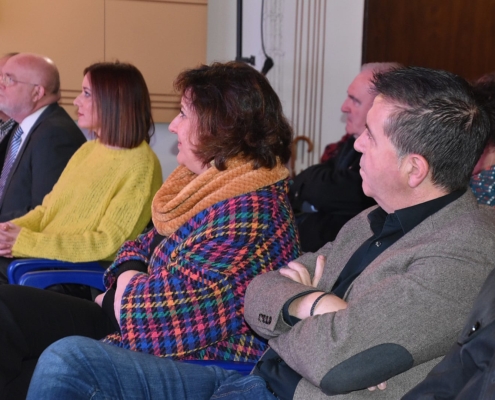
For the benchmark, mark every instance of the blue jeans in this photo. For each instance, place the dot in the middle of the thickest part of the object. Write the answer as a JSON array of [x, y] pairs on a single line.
[[82, 368]]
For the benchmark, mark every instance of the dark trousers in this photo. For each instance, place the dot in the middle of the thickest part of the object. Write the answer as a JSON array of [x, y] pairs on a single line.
[[32, 319], [4, 264]]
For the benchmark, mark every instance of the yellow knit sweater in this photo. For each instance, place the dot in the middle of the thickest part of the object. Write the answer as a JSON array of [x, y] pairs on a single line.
[[102, 199]]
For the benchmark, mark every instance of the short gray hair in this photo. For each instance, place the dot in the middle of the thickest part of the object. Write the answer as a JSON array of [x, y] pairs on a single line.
[[376, 67]]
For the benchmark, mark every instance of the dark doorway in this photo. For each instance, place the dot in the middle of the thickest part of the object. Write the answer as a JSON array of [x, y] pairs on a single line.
[[454, 35]]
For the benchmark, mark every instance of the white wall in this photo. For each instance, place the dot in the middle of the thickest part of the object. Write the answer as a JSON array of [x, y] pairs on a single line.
[[221, 30], [338, 58], [164, 144]]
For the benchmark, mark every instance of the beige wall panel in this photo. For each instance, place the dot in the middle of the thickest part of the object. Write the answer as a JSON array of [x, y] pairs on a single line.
[[175, 1], [161, 39], [69, 31]]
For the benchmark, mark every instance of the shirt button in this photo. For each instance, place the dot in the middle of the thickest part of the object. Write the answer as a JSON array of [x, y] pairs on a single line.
[[475, 327], [378, 244]]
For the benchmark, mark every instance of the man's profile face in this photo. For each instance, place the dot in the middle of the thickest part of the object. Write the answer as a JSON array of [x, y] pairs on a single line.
[[3, 60], [16, 99], [380, 166], [357, 104]]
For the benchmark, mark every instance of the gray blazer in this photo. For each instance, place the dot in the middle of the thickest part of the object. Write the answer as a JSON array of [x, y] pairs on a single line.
[[404, 310]]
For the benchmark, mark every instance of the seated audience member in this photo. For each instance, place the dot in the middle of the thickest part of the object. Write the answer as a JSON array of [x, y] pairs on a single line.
[[104, 194], [331, 150], [466, 372], [483, 179], [221, 218], [384, 301], [327, 195], [6, 123], [36, 150]]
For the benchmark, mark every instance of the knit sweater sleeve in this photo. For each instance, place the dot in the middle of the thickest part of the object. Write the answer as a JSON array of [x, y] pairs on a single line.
[[122, 212], [32, 219], [193, 295]]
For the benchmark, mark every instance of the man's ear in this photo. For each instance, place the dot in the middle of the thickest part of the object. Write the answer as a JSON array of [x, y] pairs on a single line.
[[417, 169], [38, 93]]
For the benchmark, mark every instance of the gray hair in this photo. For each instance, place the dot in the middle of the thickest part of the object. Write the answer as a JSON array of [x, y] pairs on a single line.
[[376, 67]]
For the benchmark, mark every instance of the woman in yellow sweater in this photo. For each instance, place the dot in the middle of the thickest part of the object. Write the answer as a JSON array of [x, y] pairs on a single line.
[[103, 196]]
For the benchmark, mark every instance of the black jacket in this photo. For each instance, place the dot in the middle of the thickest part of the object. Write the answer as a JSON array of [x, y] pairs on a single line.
[[467, 372], [52, 141], [334, 188]]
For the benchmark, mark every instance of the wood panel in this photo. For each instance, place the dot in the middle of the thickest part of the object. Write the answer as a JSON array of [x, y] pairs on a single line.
[[455, 35], [203, 2], [71, 36], [161, 39]]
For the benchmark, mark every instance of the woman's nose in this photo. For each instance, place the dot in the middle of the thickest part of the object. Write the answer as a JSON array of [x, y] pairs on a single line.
[[173, 125]]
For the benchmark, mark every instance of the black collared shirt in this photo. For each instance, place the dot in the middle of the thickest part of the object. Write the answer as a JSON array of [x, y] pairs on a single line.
[[387, 229]]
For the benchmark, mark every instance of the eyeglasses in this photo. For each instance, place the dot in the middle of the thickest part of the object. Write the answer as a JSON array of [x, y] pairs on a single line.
[[7, 80]]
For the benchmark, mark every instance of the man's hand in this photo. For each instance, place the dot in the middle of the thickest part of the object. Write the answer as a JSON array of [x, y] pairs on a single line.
[[381, 386], [298, 272], [301, 307]]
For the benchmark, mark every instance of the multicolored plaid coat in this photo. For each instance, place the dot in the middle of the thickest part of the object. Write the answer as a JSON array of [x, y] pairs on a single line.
[[190, 304]]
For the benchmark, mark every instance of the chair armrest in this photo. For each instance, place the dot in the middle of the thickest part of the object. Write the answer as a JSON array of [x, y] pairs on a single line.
[[19, 267], [44, 279]]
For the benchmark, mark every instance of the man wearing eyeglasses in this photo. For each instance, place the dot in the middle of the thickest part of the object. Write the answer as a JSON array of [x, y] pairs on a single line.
[[6, 123], [44, 138]]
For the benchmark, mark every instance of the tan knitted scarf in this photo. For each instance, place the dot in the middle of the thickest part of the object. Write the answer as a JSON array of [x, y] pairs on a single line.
[[184, 194]]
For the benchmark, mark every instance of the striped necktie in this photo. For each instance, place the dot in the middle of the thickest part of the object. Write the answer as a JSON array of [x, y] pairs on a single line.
[[5, 127], [14, 146]]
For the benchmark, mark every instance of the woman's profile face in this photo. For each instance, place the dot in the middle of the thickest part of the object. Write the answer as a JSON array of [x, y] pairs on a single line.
[[86, 116], [184, 126]]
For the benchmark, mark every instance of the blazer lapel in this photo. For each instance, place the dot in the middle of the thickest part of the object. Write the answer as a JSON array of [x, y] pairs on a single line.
[[49, 110]]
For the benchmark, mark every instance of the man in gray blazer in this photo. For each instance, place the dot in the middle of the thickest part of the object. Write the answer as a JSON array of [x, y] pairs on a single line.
[[399, 279], [29, 92], [382, 303]]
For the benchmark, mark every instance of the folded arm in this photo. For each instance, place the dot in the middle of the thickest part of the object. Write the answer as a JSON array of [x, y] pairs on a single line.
[[390, 322]]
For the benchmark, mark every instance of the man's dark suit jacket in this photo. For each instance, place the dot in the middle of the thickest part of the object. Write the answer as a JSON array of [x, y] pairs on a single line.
[[52, 141]]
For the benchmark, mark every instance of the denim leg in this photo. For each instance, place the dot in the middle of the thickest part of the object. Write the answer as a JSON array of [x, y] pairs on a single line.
[[243, 388], [81, 368]]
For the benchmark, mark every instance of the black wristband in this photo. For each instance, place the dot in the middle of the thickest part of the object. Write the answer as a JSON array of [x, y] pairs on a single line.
[[107, 306], [315, 303]]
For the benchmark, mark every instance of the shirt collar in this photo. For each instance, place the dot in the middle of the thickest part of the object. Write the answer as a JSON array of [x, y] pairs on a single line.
[[28, 122], [410, 217]]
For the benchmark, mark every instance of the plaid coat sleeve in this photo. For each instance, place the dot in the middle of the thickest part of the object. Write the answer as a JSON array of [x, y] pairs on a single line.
[[138, 250], [191, 303]]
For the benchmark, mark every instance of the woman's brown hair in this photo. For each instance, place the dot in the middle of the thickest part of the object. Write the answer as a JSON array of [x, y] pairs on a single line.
[[238, 114], [122, 103]]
